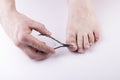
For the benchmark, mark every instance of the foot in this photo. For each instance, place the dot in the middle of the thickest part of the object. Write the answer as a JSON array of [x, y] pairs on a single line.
[[82, 27]]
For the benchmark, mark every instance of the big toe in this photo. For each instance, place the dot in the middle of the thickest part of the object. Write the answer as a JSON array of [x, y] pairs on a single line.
[[71, 39]]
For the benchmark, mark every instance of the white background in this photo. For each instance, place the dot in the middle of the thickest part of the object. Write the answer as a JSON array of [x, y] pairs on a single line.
[[102, 62]]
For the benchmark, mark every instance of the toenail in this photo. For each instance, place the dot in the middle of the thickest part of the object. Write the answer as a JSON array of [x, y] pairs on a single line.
[[87, 46], [91, 44], [97, 39], [73, 47], [80, 51]]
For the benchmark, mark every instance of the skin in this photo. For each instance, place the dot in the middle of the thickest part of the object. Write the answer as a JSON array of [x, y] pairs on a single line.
[[82, 28], [19, 28]]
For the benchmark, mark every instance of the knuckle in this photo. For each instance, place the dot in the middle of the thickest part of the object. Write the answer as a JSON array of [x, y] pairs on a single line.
[[17, 43], [22, 38], [43, 44]]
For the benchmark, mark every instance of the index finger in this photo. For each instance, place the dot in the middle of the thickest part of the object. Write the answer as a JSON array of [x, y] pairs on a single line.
[[37, 44]]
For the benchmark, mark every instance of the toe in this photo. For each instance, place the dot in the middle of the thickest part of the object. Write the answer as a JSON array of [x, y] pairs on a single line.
[[96, 35], [71, 39], [86, 42], [80, 43], [91, 38]]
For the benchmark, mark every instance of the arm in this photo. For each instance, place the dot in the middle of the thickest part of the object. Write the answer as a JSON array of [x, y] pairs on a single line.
[[6, 7], [19, 28]]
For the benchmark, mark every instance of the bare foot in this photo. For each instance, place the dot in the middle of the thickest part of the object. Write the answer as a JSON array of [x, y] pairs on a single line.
[[82, 27]]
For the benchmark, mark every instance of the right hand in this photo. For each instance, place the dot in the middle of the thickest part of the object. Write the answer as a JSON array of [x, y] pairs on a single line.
[[19, 28]]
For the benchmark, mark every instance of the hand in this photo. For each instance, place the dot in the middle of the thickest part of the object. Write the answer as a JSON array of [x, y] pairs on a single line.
[[19, 28]]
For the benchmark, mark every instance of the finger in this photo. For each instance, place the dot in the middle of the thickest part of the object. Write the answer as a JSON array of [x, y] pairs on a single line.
[[40, 28], [33, 54], [41, 46]]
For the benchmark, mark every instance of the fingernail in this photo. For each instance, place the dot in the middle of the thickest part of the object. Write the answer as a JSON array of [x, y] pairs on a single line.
[[48, 32]]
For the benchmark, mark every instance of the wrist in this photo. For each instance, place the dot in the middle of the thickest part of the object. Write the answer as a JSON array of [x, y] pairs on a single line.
[[7, 14], [7, 7]]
